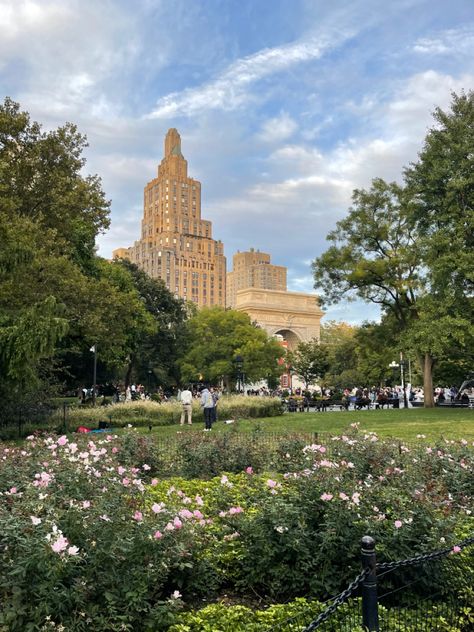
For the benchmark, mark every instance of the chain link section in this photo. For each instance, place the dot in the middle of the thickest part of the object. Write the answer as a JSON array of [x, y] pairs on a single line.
[[338, 601], [424, 557]]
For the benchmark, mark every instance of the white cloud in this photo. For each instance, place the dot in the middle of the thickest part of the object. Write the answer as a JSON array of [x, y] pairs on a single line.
[[62, 57], [277, 129], [458, 42], [232, 88]]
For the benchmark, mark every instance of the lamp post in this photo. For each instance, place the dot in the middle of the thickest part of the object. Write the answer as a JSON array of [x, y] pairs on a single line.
[[149, 374], [401, 364], [239, 363], [94, 379]]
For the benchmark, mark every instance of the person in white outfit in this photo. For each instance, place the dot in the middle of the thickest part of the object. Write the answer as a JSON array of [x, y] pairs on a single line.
[[187, 403]]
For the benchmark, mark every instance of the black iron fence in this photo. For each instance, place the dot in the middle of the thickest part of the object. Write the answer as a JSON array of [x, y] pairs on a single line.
[[413, 594]]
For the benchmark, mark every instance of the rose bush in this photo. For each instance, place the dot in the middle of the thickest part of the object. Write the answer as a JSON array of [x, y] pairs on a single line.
[[96, 535]]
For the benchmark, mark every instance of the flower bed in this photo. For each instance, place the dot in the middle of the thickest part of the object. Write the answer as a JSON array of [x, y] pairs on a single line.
[[94, 537]]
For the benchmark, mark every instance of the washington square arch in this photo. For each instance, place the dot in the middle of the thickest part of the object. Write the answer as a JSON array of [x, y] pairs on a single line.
[[294, 316]]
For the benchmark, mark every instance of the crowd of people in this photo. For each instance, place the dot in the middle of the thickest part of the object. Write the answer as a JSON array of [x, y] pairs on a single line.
[[297, 398]]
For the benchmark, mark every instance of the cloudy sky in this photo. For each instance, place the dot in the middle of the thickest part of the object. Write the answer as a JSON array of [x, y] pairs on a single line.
[[284, 106]]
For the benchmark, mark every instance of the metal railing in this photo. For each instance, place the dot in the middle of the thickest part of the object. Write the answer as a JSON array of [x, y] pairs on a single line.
[[360, 607]]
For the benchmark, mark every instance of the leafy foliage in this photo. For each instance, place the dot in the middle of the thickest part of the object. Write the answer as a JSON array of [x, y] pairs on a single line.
[[153, 355], [398, 247], [309, 361], [57, 298], [216, 336]]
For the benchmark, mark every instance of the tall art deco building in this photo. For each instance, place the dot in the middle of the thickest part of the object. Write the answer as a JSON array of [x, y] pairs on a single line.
[[176, 245]]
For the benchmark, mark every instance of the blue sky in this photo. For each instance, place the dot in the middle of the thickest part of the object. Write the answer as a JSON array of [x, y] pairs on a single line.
[[284, 106]]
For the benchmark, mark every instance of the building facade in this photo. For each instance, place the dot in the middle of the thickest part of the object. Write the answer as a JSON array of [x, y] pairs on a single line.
[[176, 245], [258, 288], [253, 269]]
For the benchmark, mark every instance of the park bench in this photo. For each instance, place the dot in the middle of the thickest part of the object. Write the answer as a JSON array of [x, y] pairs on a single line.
[[455, 404], [322, 405]]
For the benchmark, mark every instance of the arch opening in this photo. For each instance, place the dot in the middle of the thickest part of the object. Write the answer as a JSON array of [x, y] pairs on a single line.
[[292, 340]]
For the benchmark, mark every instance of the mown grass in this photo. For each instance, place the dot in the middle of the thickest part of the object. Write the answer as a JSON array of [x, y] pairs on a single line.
[[434, 423]]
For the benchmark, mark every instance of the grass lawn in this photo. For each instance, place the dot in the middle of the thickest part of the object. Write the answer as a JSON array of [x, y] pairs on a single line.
[[435, 423]]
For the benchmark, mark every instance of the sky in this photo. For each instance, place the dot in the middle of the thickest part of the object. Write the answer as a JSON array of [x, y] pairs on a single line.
[[284, 106]]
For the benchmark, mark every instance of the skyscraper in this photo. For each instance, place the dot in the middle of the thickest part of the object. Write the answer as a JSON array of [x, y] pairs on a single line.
[[176, 245]]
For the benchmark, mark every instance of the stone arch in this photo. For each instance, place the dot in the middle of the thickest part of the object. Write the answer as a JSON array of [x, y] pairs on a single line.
[[291, 338]]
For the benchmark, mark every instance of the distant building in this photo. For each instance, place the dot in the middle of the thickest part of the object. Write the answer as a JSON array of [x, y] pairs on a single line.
[[176, 245], [253, 269], [257, 287]]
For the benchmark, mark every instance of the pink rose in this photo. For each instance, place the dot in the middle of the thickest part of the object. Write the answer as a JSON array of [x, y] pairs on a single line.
[[60, 545]]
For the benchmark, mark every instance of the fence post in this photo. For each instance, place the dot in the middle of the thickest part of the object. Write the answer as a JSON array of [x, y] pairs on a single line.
[[370, 615]]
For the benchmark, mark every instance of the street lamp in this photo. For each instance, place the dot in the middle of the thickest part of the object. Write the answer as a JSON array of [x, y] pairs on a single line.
[[239, 363], [401, 364], [149, 374], [94, 378]]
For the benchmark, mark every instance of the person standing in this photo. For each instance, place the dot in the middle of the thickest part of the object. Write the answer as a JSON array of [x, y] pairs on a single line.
[[207, 404], [186, 398], [215, 399]]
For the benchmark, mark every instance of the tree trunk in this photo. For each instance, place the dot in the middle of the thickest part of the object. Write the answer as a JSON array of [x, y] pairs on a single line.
[[226, 382], [128, 374], [428, 362]]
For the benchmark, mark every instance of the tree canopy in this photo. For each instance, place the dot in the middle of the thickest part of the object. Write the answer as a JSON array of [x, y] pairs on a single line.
[[216, 336], [395, 247], [309, 361], [57, 297]]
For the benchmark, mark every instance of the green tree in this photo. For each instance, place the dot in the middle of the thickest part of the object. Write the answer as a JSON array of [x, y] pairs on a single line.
[[309, 361], [57, 298], [394, 250], [216, 336], [153, 355], [41, 179], [441, 184]]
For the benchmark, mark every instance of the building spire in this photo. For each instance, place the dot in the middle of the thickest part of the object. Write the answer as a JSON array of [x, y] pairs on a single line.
[[173, 143]]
